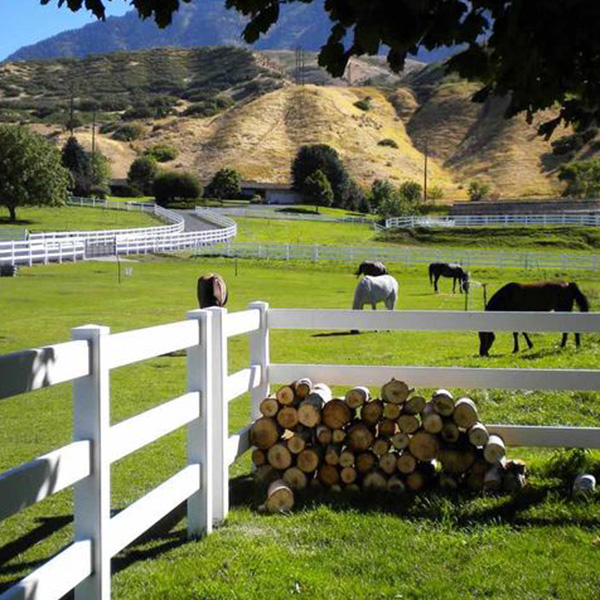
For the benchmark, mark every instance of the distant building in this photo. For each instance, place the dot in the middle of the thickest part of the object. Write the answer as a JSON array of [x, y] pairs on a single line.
[[273, 193]]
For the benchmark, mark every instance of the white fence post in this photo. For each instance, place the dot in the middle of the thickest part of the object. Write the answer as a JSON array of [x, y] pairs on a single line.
[[91, 421], [259, 355], [220, 415], [200, 441]]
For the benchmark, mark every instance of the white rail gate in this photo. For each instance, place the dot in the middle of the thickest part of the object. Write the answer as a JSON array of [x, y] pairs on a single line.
[[85, 463]]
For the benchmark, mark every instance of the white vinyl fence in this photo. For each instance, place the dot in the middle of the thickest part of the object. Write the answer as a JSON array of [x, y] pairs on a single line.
[[85, 463], [567, 219], [273, 213], [406, 256], [42, 251]]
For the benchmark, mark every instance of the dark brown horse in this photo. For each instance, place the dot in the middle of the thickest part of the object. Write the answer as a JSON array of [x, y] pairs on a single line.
[[542, 297], [211, 290], [371, 267], [452, 270]]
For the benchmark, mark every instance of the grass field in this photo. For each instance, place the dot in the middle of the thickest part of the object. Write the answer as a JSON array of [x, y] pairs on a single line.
[[539, 544], [64, 218]]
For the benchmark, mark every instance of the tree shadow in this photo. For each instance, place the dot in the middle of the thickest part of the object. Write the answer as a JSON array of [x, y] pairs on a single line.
[[5, 220], [334, 334]]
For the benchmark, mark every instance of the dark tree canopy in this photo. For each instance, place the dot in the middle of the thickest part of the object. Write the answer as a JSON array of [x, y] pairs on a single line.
[[224, 184], [542, 52]]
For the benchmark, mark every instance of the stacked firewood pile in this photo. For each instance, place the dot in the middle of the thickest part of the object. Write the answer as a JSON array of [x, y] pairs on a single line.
[[397, 442]]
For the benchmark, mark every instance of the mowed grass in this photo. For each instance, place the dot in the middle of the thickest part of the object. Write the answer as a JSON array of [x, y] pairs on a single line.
[[539, 544], [73, 218]]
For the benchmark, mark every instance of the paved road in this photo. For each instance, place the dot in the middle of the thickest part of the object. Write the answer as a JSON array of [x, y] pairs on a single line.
[[194, 223]]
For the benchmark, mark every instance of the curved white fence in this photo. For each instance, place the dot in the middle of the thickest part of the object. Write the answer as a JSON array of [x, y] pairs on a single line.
[[42, 251], [568, 219], [271, 213]]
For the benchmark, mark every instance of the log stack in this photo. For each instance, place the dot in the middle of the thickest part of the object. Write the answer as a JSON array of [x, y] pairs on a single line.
[[398, 441]]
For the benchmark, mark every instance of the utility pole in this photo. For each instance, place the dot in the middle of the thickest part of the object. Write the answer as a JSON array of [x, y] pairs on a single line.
[[425, 172], [71, 112], [94, 146]]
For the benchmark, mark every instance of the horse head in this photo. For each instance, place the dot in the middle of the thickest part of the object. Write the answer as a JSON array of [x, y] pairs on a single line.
[[466, 281], [486, 339], [211, 291]]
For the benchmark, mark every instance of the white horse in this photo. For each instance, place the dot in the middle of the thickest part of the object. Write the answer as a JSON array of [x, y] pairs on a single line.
[[371, 290]]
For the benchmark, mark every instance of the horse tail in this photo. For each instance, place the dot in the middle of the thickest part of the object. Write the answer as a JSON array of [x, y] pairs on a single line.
[[359, 295], [580, 299]]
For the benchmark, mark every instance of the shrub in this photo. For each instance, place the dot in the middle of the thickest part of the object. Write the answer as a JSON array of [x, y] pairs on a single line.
[[128, 133], [318, 189], [162, 153], [124, 190], [142, 173], [364, 103], [478, 191], [139, 112], [388, 142], [582, 178], [170, 187], [224, 184], [435, 193]]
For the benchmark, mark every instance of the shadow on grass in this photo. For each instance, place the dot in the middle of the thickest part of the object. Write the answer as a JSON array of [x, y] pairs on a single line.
[[332, 334], [4, 220]]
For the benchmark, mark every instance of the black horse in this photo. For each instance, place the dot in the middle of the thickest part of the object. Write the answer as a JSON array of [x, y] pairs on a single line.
[[453, 270], [371, 267], [533, 297], [211, 290]]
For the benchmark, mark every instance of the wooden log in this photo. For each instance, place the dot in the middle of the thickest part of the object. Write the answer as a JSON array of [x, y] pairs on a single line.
[[269, 407], [465, 413], [375, 480], [302, 387], [328, 475], [414, 405], [416, 481], [298, 441], [396, 484], [408, 423], [295, 478], [287, 417], [336, 487], [347, 458], [492, 480], [443, 403], [424, 446], [365, 461], [308, 460], [391, 411], [480, 466], [322, 390], [406, 463], [448, 482], [395, 392], [285, 395], [279, 497], [352, 488], [266, 474], [323, 435], [309, 410], [400, 441], [387, 463], [332, 455], [456, 461], [338, 436], [259, 457], [381, 446], [315, 484], [279, 457], [357, 397], [336, 414], [449, 432], [387, 427], [348, 475], [494, 450], [431, 421], [359, 437], [478, 435], [474, 481], [372, 412], [264, 433]]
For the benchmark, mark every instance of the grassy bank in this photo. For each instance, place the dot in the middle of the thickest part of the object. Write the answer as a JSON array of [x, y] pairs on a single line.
[[538, 544]]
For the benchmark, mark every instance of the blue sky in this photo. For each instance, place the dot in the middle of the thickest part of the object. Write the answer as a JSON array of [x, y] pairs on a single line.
[[24, 22]]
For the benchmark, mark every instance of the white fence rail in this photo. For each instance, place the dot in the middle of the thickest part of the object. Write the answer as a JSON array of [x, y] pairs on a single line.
[[516, 220], [85, 463], [44, 251], [279, 214], [406, 256]]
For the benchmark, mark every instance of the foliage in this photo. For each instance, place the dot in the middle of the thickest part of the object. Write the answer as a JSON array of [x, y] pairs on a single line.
[[318, 189], [582, 178], [435, 193], [31, 173], [89, 173], [224, 184], [566, 464], [142, 173], [171, 186], [388, 142], [478, 191], [388, 201], [128, 133], [364, 103], [412, 192], [101, 173], [516, 48], [326, 159], [573, 142], [162, 153], [208, 108]]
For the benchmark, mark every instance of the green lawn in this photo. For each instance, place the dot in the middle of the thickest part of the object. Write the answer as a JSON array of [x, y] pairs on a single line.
[[539, 544], [66, 218]]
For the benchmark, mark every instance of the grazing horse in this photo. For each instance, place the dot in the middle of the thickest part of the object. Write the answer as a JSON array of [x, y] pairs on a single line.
[[453, 270], [371, 267], [371, 290], [533, 297], [211, 290]]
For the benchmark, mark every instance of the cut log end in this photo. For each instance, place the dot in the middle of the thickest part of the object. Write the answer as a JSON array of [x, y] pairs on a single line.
[[280, 497], [395, 392]]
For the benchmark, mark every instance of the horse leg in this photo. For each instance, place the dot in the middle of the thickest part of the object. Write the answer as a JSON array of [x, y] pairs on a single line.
[[516, 346], [529, 342], [578, 339], [563, 343], [454, 285], [435, 282]]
